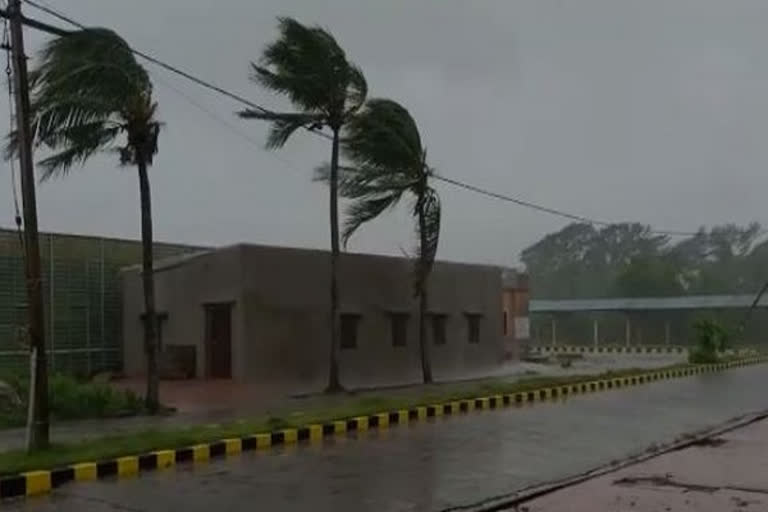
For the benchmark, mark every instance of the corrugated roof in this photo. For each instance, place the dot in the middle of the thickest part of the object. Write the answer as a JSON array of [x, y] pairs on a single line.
[[647, 303]]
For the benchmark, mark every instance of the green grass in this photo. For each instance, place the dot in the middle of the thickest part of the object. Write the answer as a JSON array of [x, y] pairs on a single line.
[[16, 461]]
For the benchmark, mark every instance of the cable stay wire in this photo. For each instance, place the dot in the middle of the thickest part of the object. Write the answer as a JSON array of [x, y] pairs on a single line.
[[38, 4]]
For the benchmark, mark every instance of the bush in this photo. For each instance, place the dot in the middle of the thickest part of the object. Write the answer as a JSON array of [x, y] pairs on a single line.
[[712, 339], [72, 399], [699, 356]]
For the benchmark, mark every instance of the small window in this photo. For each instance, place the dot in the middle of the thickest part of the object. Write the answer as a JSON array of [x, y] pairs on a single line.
[[438, 329], [506, 324], [349, 330], [399, 329], [473, 327], [161, 317]]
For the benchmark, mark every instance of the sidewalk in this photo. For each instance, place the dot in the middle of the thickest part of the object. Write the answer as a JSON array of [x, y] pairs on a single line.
[[724, 473], [205, 402]]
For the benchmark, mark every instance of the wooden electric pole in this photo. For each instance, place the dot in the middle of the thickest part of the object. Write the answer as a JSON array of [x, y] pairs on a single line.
[[38, 437]]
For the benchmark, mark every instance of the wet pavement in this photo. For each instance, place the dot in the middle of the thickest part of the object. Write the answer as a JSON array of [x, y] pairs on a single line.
[[723, 473], [436, 465], [201, 402]]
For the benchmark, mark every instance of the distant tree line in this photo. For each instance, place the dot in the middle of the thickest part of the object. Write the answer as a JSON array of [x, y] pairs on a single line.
[[629, 260]]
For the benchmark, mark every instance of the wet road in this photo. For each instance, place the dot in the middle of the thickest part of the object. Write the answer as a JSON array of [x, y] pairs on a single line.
[[455, 461]]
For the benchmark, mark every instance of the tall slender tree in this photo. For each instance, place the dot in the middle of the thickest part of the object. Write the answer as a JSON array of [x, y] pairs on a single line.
[[307, 65], [387, 160], [89, 94]]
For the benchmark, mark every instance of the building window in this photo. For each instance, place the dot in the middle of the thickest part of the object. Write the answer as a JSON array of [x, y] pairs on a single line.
[[161, 317], [349, 330], [399, 329], [473, 327], [506, 324], [438, 329]]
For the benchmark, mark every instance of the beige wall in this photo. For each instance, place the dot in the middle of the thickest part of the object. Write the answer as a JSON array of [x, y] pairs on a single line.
[[280, 319]]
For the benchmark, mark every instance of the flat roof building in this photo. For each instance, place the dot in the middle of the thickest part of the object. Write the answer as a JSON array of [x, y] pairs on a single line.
[[260, 313]]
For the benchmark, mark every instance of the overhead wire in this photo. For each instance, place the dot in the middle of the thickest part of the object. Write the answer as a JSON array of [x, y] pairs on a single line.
[[38, 4], [223, 122]]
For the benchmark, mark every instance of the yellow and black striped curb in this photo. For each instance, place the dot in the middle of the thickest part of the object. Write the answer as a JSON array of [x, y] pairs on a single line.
[[39, 482], [609, 349], [632, 349]]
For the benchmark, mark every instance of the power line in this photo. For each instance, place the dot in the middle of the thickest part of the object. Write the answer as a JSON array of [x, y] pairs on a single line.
[[210, 86], [173, 69], [224, 123], [551, 211]]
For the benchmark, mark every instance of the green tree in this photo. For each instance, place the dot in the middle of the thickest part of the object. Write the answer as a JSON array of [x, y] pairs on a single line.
[[307, 65], [388, 160], [89, 94], [648, 277]]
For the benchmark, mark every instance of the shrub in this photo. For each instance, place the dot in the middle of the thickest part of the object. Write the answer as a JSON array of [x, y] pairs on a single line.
[[699, 356], [712, 339], [72, 399]]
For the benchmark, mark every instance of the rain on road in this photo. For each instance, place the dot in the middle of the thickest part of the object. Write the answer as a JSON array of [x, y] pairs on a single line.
[[435, 465]]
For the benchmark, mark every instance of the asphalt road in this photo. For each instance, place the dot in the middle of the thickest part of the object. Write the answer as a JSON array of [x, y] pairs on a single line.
[[433, 466]]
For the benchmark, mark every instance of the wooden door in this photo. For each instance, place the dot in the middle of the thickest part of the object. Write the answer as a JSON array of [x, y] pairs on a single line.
[[218, 340]]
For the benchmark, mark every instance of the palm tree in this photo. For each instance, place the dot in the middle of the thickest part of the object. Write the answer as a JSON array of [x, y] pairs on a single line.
[[307, 65], [388, 160], [89, 94]]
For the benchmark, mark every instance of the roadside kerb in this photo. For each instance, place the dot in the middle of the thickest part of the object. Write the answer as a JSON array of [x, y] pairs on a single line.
[[631, 349], [609, 349], [42, 481]]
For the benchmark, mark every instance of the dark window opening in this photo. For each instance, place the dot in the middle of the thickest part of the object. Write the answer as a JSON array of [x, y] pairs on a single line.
[[160, 318], [506, 324], [218, 340], [473, 327], [438, 329], [399, 323], [349, 324]]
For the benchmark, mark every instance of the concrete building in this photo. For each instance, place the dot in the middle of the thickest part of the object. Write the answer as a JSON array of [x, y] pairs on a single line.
[[260, 314]]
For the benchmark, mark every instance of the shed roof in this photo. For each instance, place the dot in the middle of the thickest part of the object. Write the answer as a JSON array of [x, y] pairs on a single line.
[[647, 303]]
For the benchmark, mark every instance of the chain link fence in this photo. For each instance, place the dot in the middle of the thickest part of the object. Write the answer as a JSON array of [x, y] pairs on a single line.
[[82, 299]]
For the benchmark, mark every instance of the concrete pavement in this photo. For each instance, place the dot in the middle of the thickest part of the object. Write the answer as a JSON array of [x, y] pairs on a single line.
[[725, 473]]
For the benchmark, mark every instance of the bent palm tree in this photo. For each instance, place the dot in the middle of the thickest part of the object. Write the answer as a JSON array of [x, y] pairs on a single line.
[[388, 161], [307, 65], [88, 91]]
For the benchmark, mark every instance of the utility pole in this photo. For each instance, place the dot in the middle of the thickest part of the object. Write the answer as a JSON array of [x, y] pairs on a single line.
[[38, 437]]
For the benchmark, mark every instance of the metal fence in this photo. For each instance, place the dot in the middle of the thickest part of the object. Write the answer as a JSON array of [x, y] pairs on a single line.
[[82, 299]]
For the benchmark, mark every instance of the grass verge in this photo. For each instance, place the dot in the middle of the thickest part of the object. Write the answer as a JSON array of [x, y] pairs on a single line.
[[16, 461]]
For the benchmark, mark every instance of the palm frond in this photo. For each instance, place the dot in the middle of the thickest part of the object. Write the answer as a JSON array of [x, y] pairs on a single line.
[[361, 182], [93, 62], [384, 135], [357, 90], [86, 90], [81, 143], [365, 210], [306, 64], [283, 124], [429, 207]]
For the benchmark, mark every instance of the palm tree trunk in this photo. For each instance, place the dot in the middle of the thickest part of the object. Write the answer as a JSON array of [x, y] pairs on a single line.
[[152, 397], [426, 363], [334, 384]]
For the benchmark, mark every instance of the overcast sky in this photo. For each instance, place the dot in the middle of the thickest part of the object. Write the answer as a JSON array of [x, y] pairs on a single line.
[[646, 110]]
